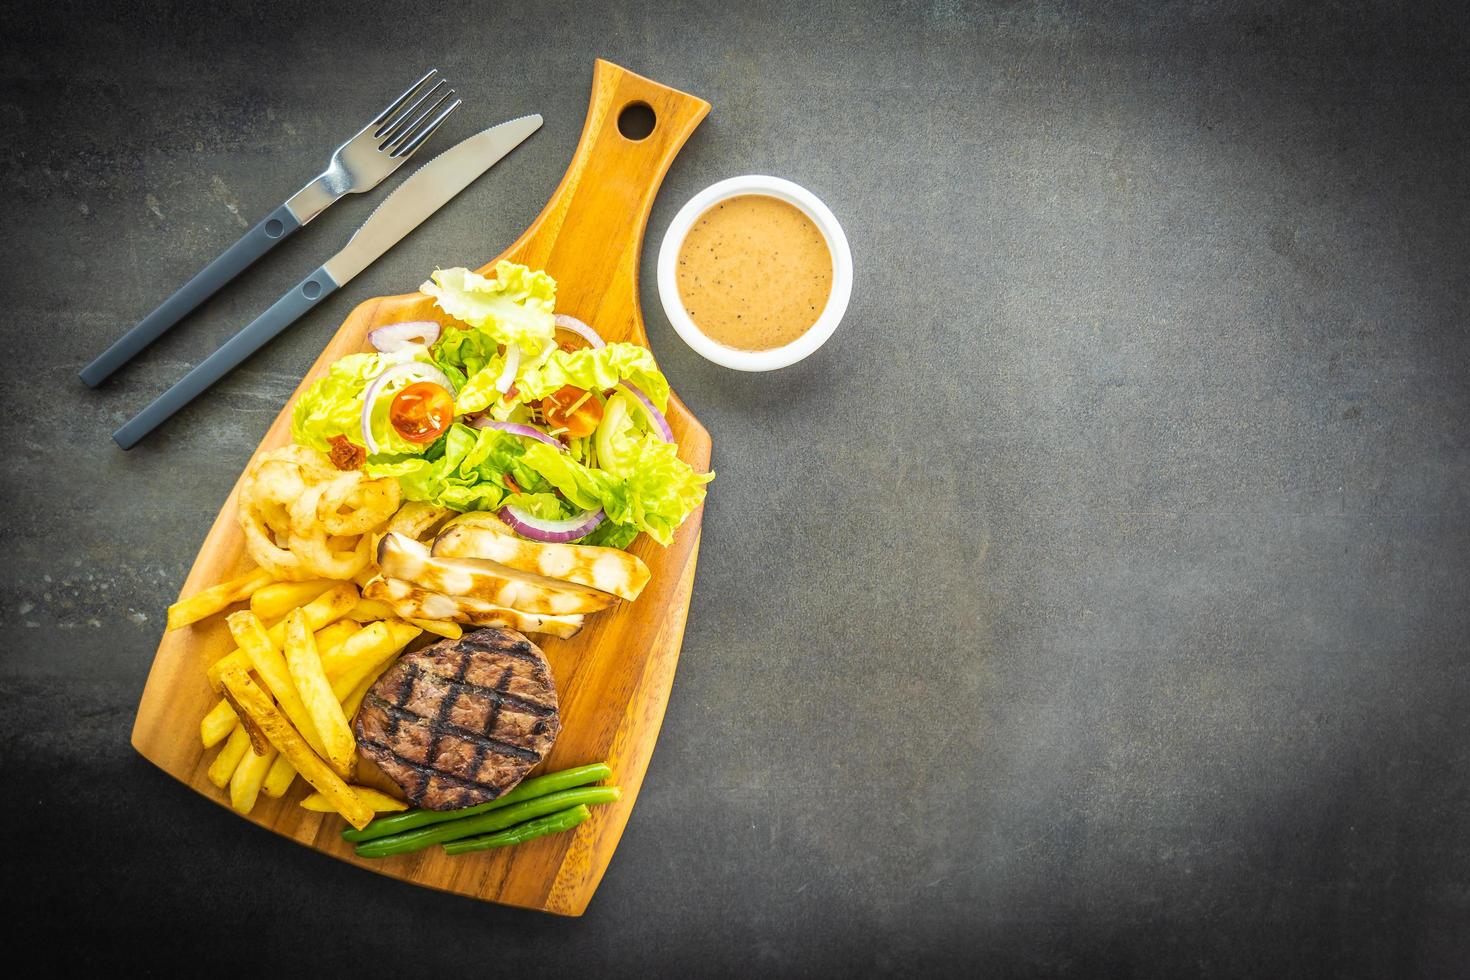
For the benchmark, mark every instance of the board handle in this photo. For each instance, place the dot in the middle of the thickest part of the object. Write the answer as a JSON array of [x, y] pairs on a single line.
[[590, 234]]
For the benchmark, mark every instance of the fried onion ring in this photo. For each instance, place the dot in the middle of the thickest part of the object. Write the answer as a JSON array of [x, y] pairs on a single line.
[[303, 518]]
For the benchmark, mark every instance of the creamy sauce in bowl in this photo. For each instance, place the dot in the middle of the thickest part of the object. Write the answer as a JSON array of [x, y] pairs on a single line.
[[754, 272]]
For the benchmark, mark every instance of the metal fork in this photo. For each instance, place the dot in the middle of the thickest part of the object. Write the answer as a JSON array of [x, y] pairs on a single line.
[[358, 165]]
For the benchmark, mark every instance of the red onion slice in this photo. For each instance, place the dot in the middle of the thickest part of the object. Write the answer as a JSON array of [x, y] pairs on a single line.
[[654, 415], [573, 325], [517, 429], [552, 532], [512, 366], [370, 396], [396, 336]]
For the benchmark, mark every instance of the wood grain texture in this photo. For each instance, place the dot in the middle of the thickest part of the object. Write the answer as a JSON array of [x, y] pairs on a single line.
[[613, 679]]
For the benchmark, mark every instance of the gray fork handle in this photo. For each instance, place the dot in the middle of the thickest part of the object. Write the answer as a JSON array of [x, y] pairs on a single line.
[[279, 224], [307, 293]]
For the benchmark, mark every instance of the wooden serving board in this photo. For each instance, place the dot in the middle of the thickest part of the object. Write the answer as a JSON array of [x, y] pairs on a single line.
[[613, 678]]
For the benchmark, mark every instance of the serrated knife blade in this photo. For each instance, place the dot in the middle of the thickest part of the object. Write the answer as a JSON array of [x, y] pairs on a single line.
[[429, 189]]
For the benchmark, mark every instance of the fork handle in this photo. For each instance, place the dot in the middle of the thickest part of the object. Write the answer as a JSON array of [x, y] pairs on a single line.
[[275, 228], [286, 311]]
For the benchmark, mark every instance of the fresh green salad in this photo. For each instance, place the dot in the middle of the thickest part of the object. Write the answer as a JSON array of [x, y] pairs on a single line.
[[510, 408]]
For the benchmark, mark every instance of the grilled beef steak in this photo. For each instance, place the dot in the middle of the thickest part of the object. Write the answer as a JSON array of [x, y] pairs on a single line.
[[462, 721]]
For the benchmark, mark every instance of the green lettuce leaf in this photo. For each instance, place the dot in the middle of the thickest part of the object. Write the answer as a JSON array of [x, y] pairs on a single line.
[[462, 471], [466, 468], [462, 353], [596, 370], [658, 492], [478, 392], [513, 308], [547, 506], [651, 488], [654, 493], [584, 487], [610, 535]]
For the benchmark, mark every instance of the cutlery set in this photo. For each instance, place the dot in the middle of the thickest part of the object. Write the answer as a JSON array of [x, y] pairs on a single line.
[[357, 166]]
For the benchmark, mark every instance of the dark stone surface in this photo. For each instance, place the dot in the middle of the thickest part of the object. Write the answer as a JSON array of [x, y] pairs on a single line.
[[1095, 601]]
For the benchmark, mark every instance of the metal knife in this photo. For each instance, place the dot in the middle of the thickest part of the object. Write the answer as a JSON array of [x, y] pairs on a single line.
[[435, 183]]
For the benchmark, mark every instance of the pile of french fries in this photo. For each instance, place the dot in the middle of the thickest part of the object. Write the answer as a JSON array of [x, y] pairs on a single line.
[[307, 652]]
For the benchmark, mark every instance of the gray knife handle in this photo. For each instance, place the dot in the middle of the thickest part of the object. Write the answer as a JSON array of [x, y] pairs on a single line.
[[309, 292], [279, 224]]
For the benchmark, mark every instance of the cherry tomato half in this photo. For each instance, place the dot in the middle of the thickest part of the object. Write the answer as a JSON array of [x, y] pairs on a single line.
[[573, 409], [421, 412]]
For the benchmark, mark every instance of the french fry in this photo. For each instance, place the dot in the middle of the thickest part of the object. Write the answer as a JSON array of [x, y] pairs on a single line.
[[380, 802], [216, 726], [255, 703], [325, 709], [353, 701], [221, 719], [361, 644], [279, 779], [249, 775], [383, 642], [215, 599], [259, 744], [327, 608], [268, 662], [334, 634], [273, 601], [223, 766], [370, 611], [439, 627]]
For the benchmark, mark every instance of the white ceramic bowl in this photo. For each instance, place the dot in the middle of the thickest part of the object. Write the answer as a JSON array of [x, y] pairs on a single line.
[[777, 357]]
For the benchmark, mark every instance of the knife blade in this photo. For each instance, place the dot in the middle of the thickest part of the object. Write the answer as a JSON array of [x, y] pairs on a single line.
[[414, 200], [426, 192]]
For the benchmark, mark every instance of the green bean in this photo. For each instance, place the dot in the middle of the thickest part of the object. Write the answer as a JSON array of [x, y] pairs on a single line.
[[520, 833], [398, 823], [486, 823]]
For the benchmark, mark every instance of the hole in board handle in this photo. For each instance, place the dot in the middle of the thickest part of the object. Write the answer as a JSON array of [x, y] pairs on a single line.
[[637, 121]]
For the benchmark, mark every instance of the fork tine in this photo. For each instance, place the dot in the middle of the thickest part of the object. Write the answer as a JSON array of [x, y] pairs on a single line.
[[399, 102], [391, 147], [410, 114], [428, 131]]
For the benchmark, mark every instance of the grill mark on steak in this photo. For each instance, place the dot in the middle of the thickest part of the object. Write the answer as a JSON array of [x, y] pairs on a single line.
[[438, 729], [521, 649], [446, 705], [497, 695], [403, 696], [426, 771], [461, 721], [481, 749]]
